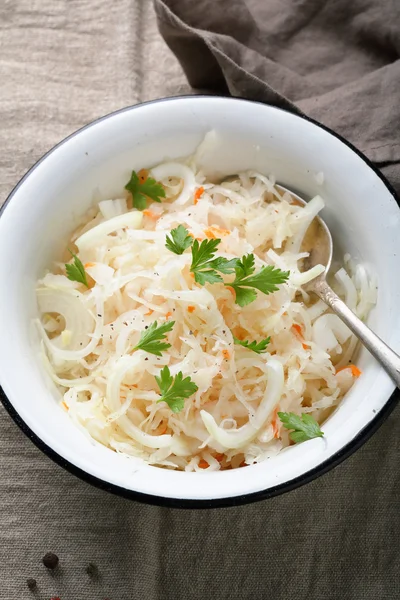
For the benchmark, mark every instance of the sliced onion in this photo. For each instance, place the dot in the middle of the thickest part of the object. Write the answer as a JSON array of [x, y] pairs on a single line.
[[180, 171], [122, 366], [113, 208], [305, 218], [68, 303], [102, 274], [132, 220], [68, 383], [78, 319], [328, 330], [237, 438], [299, 279]]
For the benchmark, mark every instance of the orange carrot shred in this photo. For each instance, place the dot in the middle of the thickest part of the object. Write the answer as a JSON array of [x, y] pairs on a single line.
[[226, 354], [355, 371], [219, 457], [149, 313], [231, 289], [215, 232], [89, 264], [168, 314], [151, 214], [298, 328], [299, 332], [65, 405], [191, 309], [275, 424], [143, 175], [198, 193], [203, 464]]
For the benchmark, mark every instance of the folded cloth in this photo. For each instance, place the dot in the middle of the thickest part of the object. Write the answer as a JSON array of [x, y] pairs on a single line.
[[337, 62]]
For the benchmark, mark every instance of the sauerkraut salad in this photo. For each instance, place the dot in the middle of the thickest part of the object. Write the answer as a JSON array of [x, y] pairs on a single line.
[[183, 363]]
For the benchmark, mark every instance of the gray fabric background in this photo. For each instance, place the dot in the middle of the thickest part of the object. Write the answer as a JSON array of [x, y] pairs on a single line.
[[64, 63]]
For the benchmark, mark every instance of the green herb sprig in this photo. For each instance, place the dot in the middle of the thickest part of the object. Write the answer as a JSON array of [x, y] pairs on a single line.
[[205, 267], [143, 190], [76, 270], [174, 390], [151, 338], [246, 282], [179, 240], [305, 426], [258, 347]]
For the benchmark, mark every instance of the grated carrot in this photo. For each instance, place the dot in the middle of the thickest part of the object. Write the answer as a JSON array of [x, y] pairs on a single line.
[[66, 407], [143, 175], [151, 214], [355, 371], [191, 308], [219, 457], [203, 464], [89, 264], [275, 424], [214, 232], [231, 289], [198, 193], [168, 314], [226, 354], [149, 313], [298, 329]]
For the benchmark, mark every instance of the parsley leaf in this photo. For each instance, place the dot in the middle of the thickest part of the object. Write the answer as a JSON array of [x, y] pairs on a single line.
[[76, 271], [205, 266], [266, 280], [179, 240], [305, 427], [256, 347], [142, 190], [150, 339], [175, 390], [245, 266]]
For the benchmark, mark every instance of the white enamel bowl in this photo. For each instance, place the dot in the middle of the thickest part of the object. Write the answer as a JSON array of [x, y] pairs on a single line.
[[41, 212]]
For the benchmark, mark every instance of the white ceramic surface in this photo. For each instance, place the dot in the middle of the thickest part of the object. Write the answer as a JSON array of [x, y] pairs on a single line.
[[361, 211]]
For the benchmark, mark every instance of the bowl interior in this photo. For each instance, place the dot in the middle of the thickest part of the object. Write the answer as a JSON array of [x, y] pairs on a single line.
[[45, 207]]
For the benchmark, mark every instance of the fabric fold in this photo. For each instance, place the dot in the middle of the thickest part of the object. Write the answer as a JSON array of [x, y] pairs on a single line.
[[339, 63]]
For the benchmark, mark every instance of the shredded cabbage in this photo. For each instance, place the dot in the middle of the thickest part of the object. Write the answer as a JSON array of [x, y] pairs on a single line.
[[88, 333]]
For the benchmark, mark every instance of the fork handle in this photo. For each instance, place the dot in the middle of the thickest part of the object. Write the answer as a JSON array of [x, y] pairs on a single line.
[[389, 360]]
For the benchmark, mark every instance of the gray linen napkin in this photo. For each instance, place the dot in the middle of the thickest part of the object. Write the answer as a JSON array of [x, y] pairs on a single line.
[[336, 61]]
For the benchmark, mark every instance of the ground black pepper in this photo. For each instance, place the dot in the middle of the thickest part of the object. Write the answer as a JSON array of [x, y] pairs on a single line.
[[50, 560], [92, 570], [31, 583]]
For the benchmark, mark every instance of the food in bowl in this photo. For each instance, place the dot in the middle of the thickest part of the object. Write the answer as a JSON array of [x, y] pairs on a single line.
[[178, 330]]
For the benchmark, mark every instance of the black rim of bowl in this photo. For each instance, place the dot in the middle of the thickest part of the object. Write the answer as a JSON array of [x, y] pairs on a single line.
[[324, 467]]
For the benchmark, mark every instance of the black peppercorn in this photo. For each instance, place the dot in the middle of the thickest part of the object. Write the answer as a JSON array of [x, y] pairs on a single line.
[[92, 570], [31, 583], [50, 560]]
